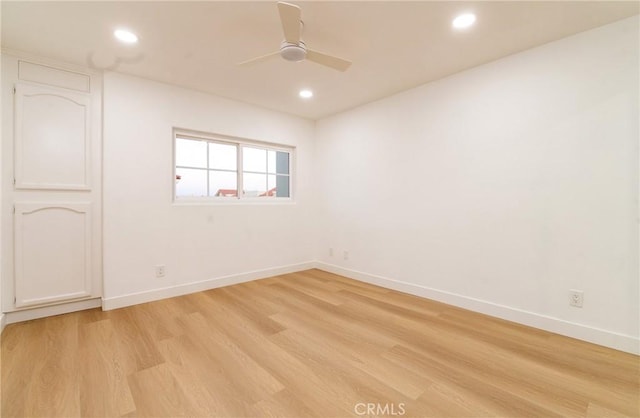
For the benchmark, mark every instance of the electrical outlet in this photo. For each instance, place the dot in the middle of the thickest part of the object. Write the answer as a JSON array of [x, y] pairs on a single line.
[[330, 252], [576, 298], [345, 255], [160, 271]]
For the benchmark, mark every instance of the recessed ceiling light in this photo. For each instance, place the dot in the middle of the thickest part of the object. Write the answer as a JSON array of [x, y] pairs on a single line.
[[126, 36], [306, 94], [464, 21]]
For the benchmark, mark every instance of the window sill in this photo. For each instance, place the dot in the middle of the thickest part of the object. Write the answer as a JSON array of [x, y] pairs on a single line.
[[232, 202]]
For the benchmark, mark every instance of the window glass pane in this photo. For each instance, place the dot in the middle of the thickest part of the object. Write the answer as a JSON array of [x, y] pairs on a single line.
[[282, 162], [223, 184], [254, 184], [254, 159], [222, 156], [271, 186], [282, 186], [271, 162], [191, 153], [192, 183]]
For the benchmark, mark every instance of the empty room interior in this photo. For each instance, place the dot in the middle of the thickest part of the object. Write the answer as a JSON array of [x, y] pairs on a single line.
[[322, 209]]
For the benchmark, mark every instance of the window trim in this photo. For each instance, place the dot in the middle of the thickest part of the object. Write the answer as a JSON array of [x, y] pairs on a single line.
[[239, 143]]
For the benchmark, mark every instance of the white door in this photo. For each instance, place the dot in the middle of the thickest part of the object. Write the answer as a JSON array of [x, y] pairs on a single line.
[[52, 138], [52, 252], [55, 231]]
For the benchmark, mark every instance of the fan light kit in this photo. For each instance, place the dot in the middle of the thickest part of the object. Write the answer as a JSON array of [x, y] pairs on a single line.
[[306, 94], [464, 21], [125, 36], [293, 48], [293, 52]]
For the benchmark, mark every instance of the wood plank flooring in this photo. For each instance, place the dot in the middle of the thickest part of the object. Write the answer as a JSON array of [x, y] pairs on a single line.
[[305, 344]]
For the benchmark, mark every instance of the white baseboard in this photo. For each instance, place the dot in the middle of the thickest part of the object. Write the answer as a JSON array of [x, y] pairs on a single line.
[[62, 308], [598, 336], [184, 289]]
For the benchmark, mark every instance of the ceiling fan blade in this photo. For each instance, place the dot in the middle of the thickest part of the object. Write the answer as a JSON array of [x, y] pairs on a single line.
[[290, 17], [328, 60], [258, 59]]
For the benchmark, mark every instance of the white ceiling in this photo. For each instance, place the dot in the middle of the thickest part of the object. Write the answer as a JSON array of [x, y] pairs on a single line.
[[393, 45]]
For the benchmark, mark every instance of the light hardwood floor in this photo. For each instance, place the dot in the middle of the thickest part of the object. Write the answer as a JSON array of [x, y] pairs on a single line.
[[305, 344]]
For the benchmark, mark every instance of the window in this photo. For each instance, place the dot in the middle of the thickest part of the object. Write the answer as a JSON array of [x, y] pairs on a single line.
[[217, 168]]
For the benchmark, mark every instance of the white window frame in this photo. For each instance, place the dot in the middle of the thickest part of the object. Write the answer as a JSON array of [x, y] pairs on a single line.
[[239, 143]]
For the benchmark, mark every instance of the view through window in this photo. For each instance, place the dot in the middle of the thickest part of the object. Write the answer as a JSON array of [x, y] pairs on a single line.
[[207, 167]]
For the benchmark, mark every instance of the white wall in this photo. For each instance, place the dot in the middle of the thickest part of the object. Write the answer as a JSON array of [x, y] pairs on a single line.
[[499, 188], [143, 228]]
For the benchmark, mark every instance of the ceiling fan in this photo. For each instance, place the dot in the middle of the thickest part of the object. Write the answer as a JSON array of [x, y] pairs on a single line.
[[292, 48]]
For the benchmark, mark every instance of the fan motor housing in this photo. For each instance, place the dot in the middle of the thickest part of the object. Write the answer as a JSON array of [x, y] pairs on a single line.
[[293, 52]]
